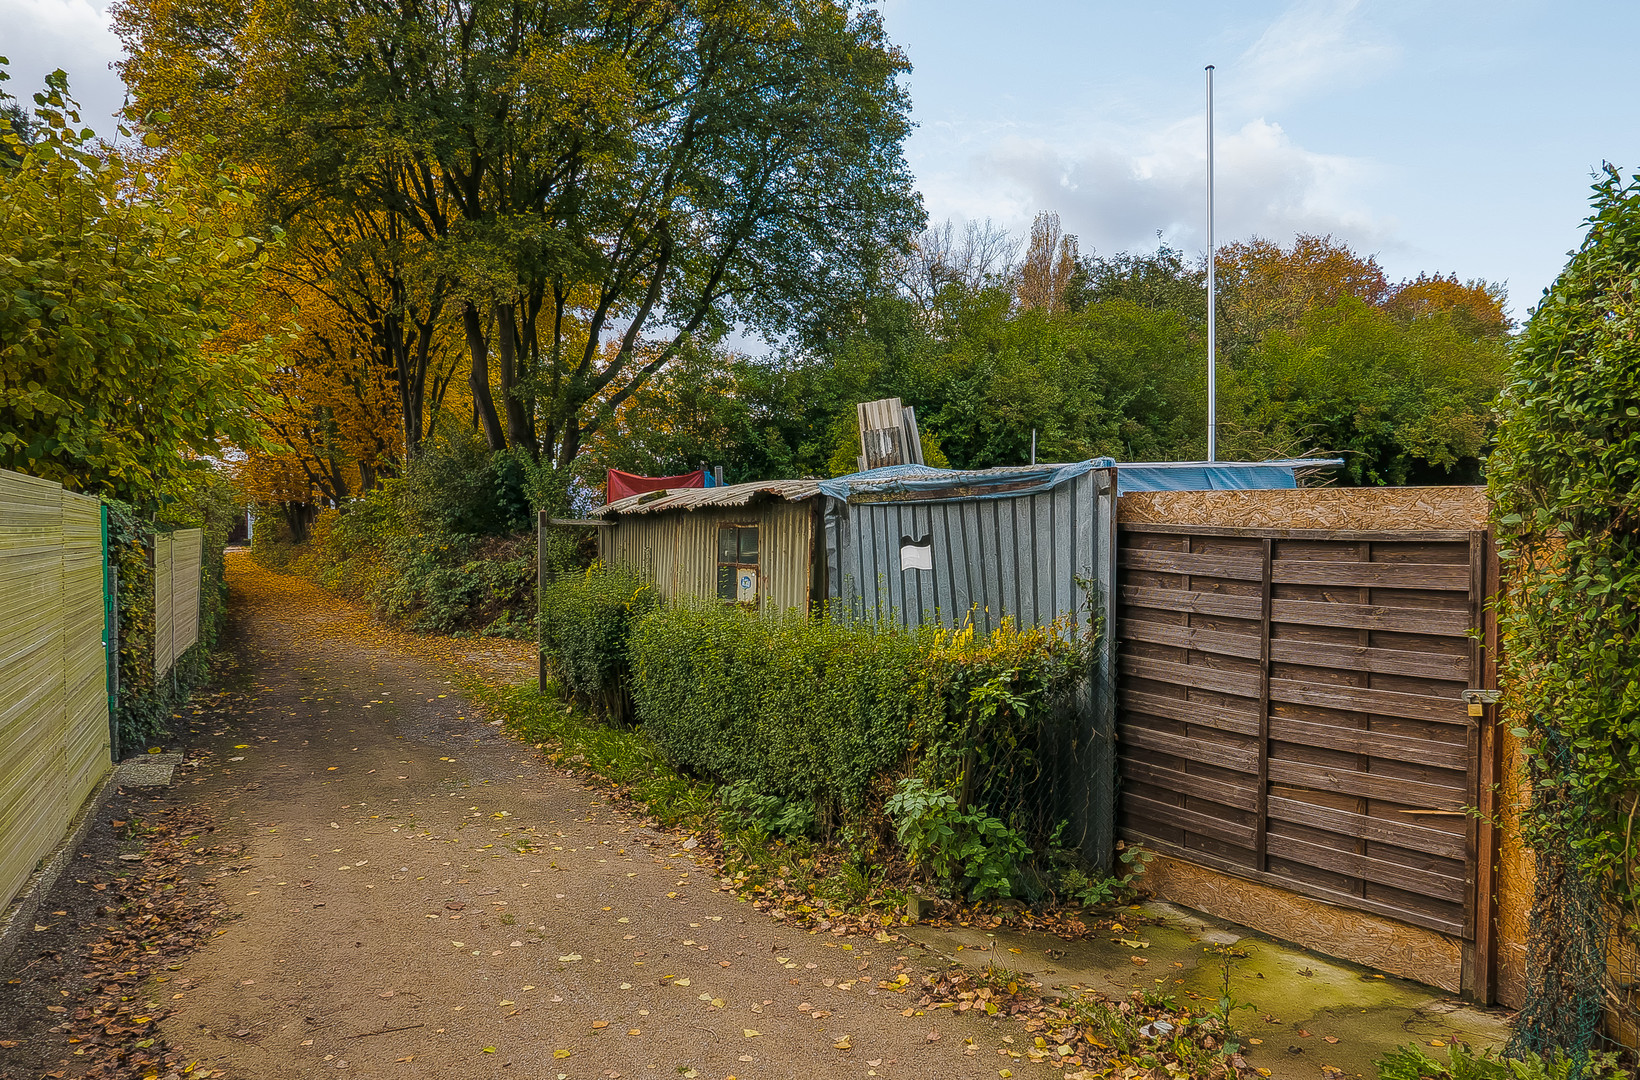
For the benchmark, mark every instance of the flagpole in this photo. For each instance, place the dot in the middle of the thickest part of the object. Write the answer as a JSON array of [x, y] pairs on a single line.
[[1212, 314]]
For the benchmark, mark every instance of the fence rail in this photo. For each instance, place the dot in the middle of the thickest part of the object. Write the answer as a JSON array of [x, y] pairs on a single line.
[[54, 735]]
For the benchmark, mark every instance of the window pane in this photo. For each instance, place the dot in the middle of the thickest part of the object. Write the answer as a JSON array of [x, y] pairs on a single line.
[[748, 544], [726, 583], [726, 543]]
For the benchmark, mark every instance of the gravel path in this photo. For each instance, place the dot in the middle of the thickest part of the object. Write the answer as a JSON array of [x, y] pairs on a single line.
[[421, 896]]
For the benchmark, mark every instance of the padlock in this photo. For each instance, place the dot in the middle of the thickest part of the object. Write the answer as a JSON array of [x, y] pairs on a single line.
[[1477, 709]]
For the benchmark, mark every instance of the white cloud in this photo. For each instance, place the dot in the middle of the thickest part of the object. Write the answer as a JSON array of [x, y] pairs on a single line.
[[1314, 45], [75, 35], [1118, 178], [1119, 191]]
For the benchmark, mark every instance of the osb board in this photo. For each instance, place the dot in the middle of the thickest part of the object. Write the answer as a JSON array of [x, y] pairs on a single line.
[[1312, 508], [1378, 943], [1515, 875]]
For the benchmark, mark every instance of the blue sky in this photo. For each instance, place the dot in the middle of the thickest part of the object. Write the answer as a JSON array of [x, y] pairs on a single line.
[[1445, 135], [1442, 135]]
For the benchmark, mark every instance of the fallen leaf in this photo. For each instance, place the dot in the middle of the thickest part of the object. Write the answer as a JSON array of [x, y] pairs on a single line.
[[845, 1043], [634, 1031], [560, 1053], [750, 1033], [1332, 1038], [599, 1024], [569, 958], [489, 1050], [407, 1057]]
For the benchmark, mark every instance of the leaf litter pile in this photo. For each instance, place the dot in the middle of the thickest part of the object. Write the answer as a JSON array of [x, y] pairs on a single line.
[[1136, 1038], [157, 907]]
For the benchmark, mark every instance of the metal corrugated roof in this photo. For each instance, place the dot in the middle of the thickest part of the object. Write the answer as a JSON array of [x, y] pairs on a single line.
[[651, 502]]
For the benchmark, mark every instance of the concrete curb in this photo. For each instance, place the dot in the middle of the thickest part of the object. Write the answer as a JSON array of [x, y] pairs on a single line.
[[18, 919]]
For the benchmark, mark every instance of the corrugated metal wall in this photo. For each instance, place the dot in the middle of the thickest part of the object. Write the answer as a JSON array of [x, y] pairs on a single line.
[[1030, 557], [678, 549], [53, 688], [177, 561]]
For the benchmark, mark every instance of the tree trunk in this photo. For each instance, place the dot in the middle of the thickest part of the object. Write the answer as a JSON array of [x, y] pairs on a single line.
[[520, 422], [479, 380]]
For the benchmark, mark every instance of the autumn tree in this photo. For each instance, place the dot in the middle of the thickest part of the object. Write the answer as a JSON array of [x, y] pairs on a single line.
[[117, 278], [1049, 264], [583, 172], [1264, 286]]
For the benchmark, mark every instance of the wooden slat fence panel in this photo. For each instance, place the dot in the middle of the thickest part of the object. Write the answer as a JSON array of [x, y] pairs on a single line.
[[53, 697], [177, 561], [1290, 711], [164, 632]]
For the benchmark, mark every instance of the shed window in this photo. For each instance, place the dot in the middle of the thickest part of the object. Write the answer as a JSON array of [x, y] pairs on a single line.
[[737, 563]]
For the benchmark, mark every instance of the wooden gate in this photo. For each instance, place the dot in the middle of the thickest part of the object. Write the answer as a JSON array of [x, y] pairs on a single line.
[[1290, 711]]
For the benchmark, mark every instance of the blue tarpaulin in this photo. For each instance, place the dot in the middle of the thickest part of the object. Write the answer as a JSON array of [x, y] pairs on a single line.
[[926, 483], [1213, 475]]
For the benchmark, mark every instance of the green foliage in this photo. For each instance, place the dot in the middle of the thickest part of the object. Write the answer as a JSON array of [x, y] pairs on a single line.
[[970, 852], [1401, 402], [743, 808], [586, 621], [116, 278], [145, 704], [446, 584], [809, 711], [832, 715], [1411, 1063], [457, 486], [447, 548], [1567, 512]]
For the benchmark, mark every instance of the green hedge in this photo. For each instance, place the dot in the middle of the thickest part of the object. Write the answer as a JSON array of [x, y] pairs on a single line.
[[146, 706], [924, 740], [586, 620], [803, 709]]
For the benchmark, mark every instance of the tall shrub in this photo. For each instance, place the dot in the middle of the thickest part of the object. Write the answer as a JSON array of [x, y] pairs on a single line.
[[1563, 480], [586, 621]]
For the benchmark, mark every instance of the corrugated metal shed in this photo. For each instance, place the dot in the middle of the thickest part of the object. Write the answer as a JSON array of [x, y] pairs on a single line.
[[943, 546], [672, 537]]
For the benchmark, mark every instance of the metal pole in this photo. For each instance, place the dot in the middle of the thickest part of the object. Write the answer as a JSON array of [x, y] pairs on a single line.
[[1212, 320]]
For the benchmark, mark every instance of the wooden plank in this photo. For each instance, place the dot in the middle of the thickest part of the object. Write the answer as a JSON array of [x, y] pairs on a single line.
[[1490, 768], [1449, 845], [1239, 796], [1194, 563], [1198, 603], [1199, 639], [1230, 832], [1360, 699], [1280, 881], [1452, 622], [1382, 871], [1189, 712], [1405, 535], [1208, 752], [1374, 574], [1410, 793], [1422, 665], [1379, 744], [1200, 676], [1261, 855]]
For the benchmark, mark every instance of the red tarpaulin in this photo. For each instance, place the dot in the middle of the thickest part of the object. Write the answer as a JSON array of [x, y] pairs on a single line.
[[622, 484]]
